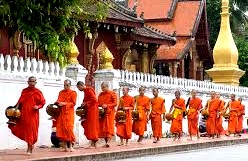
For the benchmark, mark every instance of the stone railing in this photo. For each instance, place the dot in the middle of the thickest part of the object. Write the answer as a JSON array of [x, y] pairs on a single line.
[[18, 66], [168, 84]]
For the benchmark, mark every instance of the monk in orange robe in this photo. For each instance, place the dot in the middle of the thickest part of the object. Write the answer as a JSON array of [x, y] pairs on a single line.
[[142, 105], [212, 106], [91, 122], [158, 109], [29, 103], [241, 113], [126, 104], [177, 122], [219, 119], [107, 99], [195, 104], [234, 107], [65, 121]]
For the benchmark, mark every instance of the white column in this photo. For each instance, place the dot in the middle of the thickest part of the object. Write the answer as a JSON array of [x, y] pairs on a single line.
[[76, 72], [113, 77]]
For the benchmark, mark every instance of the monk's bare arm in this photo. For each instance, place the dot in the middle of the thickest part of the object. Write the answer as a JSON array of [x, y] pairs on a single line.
[[163, 109]]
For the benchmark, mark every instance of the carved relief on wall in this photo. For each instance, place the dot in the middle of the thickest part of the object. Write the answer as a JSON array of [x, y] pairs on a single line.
[[152, 69], [99, 49], [130, 60]]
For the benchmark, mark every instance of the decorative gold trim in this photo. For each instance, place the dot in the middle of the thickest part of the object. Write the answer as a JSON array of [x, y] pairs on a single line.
[[124, 58], [152, 62]]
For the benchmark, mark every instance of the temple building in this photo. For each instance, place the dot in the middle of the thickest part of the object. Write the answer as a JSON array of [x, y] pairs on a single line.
[[187, 20], [161, 37]]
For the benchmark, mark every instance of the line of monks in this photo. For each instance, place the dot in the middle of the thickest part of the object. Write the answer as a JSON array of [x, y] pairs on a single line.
[[146, 109]]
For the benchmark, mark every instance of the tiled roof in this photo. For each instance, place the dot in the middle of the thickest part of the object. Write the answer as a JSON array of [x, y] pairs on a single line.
[[174, 52], [118, 14], [121, 15], [153, 9], [150, 32], [183, 20]]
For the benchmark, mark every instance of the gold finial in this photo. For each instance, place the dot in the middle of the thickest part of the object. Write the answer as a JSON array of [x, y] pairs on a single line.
[[73, 54], [106, 59], [225, 69], [225, 3]]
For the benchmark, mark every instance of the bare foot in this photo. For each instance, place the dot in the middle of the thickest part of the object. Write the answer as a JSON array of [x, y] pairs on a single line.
[[120, 144], [106, 146], [64, 150], [90, 147]]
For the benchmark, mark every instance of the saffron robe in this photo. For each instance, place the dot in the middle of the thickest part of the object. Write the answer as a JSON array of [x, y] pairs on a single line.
[[91, 124], [233, 119], [142, 105], [106, 123], [158, 108], [177, 121], [124, 130], [65, 120], [219, 119], [212, 106], [195, 104], [241, 113], [27, 125]]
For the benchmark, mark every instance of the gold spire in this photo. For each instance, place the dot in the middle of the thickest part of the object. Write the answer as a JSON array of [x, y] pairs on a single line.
[[106, 59], [225, 69], [73, 54]]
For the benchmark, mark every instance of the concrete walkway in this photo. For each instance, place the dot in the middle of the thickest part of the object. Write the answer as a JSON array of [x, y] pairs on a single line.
[[134, 149]]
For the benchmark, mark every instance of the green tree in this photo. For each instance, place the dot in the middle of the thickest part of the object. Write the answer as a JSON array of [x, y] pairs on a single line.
[[242, 46], [50, 24], [237, 18]]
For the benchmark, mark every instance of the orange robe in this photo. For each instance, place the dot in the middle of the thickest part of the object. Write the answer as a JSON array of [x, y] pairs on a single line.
[[233, 119], [219, 119], [27, 126], [158, 108], [142, 105], [195, 104], [106, 124], [240, 117], [91, 124], [65, 120], [212, 106], [177, 122], [124, 130]]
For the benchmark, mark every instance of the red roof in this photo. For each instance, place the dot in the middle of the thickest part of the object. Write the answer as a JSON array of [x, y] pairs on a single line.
[[173, 52], [153, 9], [183, 20]]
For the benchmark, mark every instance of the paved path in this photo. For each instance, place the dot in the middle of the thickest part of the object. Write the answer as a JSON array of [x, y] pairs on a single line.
[[134, 149]]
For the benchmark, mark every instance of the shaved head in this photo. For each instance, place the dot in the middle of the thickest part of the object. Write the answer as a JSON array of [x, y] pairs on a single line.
[[104, 86]]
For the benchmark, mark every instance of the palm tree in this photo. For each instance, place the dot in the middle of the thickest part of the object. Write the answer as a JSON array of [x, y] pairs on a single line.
[[239, 20]]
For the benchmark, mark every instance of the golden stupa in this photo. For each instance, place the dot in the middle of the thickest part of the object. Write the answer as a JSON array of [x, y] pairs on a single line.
[[225, 69], [106, 59], [73, 54]]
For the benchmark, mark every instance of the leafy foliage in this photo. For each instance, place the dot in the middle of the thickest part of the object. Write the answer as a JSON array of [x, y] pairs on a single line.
[[239, 27], [242, 46], [51, 24], [237, 18]]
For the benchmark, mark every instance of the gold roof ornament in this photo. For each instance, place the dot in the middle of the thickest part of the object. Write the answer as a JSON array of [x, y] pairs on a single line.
[[73, 54], [225, 53], [106, 59]]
